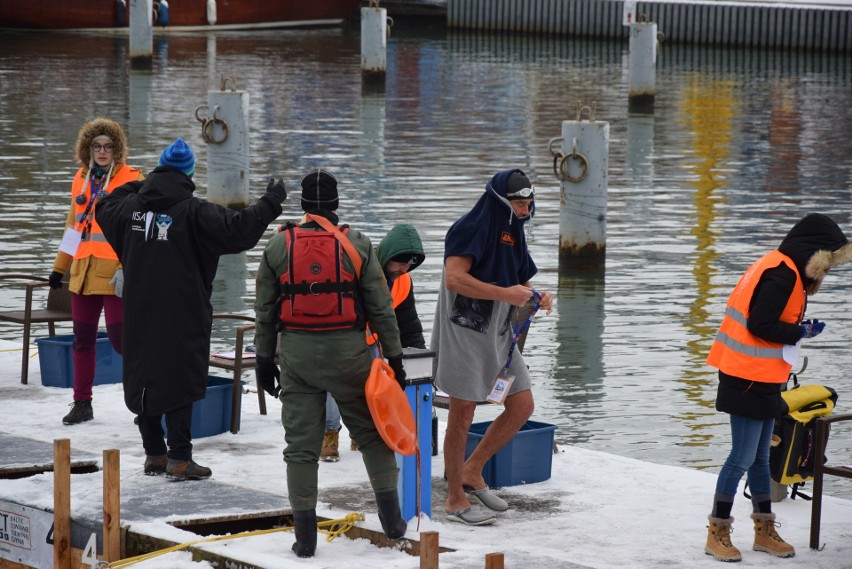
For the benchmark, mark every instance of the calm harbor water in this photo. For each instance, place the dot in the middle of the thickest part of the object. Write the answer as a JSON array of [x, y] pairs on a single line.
[[740, 145]]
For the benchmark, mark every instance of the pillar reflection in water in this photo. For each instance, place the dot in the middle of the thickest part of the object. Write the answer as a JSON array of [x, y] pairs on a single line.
[[578, 380], [230, 293], [710, 110], [640, 149], [139, 100], [372, 123]]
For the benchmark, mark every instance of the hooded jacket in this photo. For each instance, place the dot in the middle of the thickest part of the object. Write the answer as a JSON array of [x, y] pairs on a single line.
[[493, 237], [91, 273], [169, 243], [815, 244], [403, 239]]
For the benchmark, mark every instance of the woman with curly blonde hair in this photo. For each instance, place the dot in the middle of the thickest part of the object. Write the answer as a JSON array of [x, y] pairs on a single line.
[[96, 278]]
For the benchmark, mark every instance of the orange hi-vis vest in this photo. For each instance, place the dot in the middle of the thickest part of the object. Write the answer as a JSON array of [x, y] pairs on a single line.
[[93, 242], [400, 289], [738, 352]]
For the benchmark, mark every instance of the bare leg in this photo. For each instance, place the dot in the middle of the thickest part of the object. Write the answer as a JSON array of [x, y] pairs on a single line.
[[455, 440], [519, 408]]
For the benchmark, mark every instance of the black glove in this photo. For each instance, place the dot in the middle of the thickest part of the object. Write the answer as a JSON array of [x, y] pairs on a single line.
[[268, 375], [277, 189], [55, 279], [396, 365]]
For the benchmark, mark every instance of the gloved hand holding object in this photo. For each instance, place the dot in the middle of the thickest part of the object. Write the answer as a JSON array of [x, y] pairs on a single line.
[[55, 279], [396, 365], [811, 330], [268, 375], [277, 189]]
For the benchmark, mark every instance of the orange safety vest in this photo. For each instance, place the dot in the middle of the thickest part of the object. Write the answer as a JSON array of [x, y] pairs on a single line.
[[93, 242], [738, 352], [399, 291]]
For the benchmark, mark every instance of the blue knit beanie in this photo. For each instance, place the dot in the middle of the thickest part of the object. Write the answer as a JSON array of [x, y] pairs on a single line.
[[178, 155]]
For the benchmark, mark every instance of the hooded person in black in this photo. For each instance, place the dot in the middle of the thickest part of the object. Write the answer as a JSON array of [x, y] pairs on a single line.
[[749, 364], [169, 243]]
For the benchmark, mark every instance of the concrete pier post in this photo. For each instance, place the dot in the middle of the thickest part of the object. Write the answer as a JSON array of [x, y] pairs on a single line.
[[374, 41], [141, 34], [226, 132], [582, 168], [642, 62]]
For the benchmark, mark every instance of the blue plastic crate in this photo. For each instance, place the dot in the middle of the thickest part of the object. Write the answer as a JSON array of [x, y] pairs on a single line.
[[56, 360], [527, 458], [212, 415]]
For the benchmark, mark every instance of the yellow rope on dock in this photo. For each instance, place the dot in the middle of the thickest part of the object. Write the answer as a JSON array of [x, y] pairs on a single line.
[[332, 528]]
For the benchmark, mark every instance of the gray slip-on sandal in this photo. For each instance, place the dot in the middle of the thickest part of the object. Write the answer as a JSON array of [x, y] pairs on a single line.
[[472, 516], [488, 498]]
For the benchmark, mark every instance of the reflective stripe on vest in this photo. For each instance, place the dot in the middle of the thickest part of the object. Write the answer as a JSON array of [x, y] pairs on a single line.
[[93, 242], [738, 352], [400, 289]]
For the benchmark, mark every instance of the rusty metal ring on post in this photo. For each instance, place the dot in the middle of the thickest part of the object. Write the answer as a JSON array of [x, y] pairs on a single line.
[[207, 131], [556, 157], [563, 167], [207, 125]]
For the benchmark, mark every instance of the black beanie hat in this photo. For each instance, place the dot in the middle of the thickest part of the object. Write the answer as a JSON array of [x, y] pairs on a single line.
[[518, 181], [319, 191]]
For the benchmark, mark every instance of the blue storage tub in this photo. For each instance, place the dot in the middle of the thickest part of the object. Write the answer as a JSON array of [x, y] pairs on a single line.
[[527, 458], [212, 415], [56, 360]]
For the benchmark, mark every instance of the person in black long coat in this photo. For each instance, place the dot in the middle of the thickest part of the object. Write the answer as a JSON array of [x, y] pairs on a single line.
[[169, 243]]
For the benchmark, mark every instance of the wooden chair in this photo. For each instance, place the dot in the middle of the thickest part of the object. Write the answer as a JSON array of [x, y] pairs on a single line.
[[57, 309], [821, 432], [237, 366]]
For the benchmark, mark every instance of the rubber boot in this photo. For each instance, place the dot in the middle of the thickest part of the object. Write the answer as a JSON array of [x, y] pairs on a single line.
[[767, 539], [306, 532], [392, 523], [719, 540]]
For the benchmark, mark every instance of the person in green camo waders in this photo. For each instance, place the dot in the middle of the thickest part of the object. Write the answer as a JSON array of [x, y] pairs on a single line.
[[309, 288]]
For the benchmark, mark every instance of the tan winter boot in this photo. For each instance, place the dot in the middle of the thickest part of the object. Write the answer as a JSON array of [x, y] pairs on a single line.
[[767, 539], [719, 540], [329, 447]]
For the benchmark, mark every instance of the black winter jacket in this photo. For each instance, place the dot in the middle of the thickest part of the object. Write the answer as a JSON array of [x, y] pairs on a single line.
[[169, 243]]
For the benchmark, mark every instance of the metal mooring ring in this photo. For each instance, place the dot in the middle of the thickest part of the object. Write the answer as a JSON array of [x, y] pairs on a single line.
[[207, 131], [584, 166]]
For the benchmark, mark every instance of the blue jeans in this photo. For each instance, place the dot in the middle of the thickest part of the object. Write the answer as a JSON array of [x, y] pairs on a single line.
[[332, 414], [749, 453]]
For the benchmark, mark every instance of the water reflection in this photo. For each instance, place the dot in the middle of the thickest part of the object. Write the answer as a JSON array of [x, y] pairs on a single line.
[[741, 143], [579, 372]]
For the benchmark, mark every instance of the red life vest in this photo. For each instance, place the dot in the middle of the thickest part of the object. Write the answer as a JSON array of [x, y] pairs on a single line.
[[317, 292]]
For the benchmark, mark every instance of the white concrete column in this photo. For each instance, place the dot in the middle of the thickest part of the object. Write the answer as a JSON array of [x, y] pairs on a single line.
[[642, 61], [582, 168], [141, 33], [226, 133], [374, 41]]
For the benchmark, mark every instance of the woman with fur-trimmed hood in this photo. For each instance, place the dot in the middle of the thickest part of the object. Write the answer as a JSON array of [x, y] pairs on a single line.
[[754, 351], [101, 150]]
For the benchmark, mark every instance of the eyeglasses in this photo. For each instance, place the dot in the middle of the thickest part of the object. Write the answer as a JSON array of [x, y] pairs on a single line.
[[105, 147], [522, 193]]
